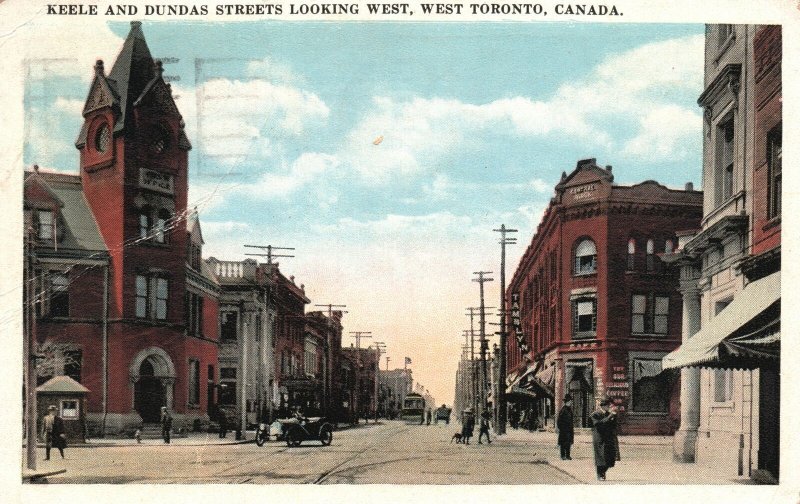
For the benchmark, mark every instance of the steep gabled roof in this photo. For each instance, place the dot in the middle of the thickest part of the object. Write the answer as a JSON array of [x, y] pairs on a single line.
[[132, 71]]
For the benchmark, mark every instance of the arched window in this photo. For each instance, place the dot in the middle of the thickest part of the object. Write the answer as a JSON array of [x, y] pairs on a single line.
[[585, 257], [631, 254], [651, 260], [669, 247]]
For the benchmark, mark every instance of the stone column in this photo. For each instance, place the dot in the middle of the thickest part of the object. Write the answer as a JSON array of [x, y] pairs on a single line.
[[685, 440]]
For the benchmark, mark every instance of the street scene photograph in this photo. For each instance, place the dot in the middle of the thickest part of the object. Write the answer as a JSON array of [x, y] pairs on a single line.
[[417, 253]]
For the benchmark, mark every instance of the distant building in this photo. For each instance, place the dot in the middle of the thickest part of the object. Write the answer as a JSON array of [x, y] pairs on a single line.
[[464, 392], [593, 308], [365, 362], [323, 356], [398, 383]]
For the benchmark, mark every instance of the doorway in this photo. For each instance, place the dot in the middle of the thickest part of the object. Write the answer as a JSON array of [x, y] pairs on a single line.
[[582, 396], [149, 394]]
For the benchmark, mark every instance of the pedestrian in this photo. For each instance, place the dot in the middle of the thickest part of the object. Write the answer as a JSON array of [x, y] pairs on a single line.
[[467, 425], [428, 416], [604, 437], [53, 432], [222, 418], [566, 428], [484, 427], [166, 424]]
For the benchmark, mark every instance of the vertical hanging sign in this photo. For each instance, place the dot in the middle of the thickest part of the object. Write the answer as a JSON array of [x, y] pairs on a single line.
[[516, 322]]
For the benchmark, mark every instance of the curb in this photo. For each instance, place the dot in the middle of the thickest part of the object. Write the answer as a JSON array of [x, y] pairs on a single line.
[[147, 445]]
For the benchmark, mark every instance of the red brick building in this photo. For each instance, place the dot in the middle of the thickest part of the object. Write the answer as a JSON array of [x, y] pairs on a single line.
[[594, 310], [324, 347], [122, 283]]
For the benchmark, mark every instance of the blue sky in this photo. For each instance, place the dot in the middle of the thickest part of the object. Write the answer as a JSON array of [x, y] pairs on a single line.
[[478, 121]]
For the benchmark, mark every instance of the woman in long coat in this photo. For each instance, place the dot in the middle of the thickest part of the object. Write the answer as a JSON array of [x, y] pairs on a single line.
[[566, 428], [604, 437], [467, 425]]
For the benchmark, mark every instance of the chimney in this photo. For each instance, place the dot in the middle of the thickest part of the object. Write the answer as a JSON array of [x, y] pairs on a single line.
[[609, 167], [588, 161], [689, 186], [36, 168]]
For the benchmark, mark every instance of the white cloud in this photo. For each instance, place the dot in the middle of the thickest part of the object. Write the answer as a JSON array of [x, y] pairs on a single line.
[[666, 132], [73, 107], [274, 71], [418, 132], [307, 168]]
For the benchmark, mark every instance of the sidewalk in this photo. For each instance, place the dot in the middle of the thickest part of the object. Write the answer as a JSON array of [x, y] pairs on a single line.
[[191, 439], [645, 460]]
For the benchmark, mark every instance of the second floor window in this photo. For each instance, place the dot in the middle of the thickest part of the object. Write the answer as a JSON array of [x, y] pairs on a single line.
[[584, 313], [152, 295], [649, 314], [631, 254], [723, 181], [153, 225], [585, 257], [774, 162], [228, 326], [58, 298]]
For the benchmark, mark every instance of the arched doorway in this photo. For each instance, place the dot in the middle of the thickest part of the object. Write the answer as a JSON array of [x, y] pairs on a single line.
[[153, 375], [149, 394]]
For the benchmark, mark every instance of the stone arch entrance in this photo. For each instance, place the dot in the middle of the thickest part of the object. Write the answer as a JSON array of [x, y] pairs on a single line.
[[153, 375]]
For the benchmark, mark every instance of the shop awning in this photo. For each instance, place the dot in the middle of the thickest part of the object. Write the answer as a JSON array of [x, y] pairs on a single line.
[[530, 384], [744, 334]]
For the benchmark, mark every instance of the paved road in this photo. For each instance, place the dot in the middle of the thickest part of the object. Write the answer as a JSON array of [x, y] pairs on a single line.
[[391, 452]]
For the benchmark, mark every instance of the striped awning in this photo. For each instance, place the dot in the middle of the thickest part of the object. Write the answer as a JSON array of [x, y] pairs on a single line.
[[746, 332]]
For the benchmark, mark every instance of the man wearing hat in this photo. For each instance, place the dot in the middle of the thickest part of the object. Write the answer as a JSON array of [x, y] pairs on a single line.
[[566, 427], [604, 437], [166, 424], [53, 432]]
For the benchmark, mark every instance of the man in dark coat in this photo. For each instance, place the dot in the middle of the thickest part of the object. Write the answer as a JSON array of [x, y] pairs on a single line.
[[484, 430], [467, 425], [604, 437], [166, 424], [223, 423], [53, 432], [566, 428]]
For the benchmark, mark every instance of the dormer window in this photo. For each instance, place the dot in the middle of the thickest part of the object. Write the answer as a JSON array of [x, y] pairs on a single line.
[[46, 225], [102, 139]]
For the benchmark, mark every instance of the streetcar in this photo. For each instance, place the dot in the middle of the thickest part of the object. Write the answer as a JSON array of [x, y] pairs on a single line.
[[413, 408]]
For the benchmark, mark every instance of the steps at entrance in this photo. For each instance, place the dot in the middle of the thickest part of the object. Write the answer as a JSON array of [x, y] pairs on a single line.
[[153, 431]]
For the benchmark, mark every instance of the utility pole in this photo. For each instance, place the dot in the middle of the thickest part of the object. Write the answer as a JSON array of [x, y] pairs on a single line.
[[267, 251], [500, 404], [358, 335], [328, 379], [472, 310], [482, 278], [379, 346], [387, 363]]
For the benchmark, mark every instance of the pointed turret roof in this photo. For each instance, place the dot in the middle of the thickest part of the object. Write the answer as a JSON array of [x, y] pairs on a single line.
[[132, 71]]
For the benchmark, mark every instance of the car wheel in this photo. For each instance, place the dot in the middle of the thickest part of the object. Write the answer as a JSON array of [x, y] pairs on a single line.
[[261, 438], [292, 438], [326, 435]]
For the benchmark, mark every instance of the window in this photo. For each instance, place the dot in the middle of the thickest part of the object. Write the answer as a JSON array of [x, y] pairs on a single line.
[[650, 387], [774, 161], [141, 296], [144, 223], [631, 254], [724, 172], [46, 225], [194, 382], [651, 259], [160, 228], [102, 139], [725, 32], [152, 294], [228, 326], [194, 256], [584, 318], [723, 385], [194, 314], [585, 258], [59, 295], [69, 409], [669, 247], [161, 288], [649, 314]]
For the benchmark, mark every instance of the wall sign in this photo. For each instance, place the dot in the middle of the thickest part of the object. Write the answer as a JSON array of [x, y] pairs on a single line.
[[156, 181]]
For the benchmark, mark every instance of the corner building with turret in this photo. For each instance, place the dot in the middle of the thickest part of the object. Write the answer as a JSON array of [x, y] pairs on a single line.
[[592, 308]]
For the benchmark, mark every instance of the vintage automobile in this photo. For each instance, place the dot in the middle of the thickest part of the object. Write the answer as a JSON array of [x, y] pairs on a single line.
[[296, 430]]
